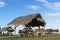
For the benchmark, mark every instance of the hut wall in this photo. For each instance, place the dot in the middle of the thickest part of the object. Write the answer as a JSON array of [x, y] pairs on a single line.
[[26, 32], [38, 32]]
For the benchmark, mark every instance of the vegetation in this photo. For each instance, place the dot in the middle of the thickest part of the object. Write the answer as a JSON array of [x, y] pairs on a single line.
[[45, 37]]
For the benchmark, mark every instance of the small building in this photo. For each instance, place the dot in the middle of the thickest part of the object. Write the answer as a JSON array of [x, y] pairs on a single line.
[[38, 32], [26, 32], [7, 31], [51, 31], [10, 29]]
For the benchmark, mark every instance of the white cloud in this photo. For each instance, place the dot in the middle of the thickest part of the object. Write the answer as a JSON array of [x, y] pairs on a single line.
[[33, 7], [44, 1], [55, 5], [2, 4], [53, 14]]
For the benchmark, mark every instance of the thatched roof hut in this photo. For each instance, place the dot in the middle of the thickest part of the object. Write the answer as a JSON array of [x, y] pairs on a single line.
[[10, 29], [52, 30], [29, 20]]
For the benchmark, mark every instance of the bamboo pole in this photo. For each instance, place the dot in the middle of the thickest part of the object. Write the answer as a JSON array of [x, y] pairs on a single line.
[[15, 29]]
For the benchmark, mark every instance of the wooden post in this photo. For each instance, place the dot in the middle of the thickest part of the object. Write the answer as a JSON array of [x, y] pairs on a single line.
[[39, 31], [42, 31], [15, 29], [39, 27]]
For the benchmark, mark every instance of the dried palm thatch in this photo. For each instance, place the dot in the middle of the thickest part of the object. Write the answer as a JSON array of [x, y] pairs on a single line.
[[29, 20]]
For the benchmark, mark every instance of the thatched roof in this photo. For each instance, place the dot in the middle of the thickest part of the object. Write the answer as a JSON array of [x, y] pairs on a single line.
[[29, 20]]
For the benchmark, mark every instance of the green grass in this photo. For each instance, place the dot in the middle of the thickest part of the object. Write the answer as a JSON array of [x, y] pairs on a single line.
[[45, 37]]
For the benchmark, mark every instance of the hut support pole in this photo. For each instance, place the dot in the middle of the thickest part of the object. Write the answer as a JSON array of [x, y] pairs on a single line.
[[40, 31], [39, 27], [15, 29]]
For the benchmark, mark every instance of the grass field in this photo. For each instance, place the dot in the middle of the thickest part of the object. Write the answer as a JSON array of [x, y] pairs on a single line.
[[45, 37]]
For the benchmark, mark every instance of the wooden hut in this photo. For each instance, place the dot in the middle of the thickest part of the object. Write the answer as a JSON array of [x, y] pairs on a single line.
[[51, 31], [31, 20], [38, 32], [26, 32], [8, 30]]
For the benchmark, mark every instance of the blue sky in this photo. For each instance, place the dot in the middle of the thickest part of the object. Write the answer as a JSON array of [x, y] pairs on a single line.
[[49, 9]]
